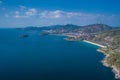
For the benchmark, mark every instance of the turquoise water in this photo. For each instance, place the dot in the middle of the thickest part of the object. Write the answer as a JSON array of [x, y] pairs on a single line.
[[48, 58]]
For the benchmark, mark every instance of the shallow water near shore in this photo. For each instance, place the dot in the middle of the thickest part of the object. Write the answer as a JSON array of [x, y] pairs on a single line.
[[49, 57]]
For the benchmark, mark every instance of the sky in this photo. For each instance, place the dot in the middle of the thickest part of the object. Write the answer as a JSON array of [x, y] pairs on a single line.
[[22, 13]]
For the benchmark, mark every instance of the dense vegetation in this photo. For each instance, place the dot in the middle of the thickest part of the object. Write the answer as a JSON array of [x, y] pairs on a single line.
[[112, 40]]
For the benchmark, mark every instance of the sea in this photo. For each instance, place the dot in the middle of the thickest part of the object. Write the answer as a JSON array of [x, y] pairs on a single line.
[[49, 57]]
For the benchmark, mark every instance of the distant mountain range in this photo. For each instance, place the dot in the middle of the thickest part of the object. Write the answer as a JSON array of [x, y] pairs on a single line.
[[73, 28]]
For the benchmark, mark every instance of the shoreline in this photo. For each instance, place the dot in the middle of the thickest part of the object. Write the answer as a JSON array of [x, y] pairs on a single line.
[[115, 70], [94, 44]]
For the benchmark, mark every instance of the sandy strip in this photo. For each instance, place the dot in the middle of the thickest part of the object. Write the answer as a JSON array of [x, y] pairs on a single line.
[[94, 43]]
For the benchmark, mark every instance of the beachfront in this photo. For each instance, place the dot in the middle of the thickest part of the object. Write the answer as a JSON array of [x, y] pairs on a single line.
[[94, 43]]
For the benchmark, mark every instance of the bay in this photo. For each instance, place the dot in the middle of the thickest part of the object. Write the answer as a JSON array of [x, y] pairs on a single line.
[[48, 57]]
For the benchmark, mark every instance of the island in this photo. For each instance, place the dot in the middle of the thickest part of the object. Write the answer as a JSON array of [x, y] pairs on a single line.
[[23, 36]]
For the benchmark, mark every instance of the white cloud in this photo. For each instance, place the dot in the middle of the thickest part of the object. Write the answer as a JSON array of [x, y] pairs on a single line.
[[59, 14], [25, 13], [79, 18], [61, 17], [51, 14], [56, 14], [31, 12], [18, 14]]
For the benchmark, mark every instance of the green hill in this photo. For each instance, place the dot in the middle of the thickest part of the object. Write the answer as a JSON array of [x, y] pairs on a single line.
[[112, 40]]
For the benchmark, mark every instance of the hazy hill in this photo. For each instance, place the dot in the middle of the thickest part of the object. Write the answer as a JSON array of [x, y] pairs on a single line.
[[70, 28], [109, 38], [95, 28]]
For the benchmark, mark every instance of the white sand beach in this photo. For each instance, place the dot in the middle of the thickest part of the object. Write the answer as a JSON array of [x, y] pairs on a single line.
[[95, 44]]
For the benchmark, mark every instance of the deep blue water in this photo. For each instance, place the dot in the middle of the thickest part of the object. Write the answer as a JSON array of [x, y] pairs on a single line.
[[48, 58]]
